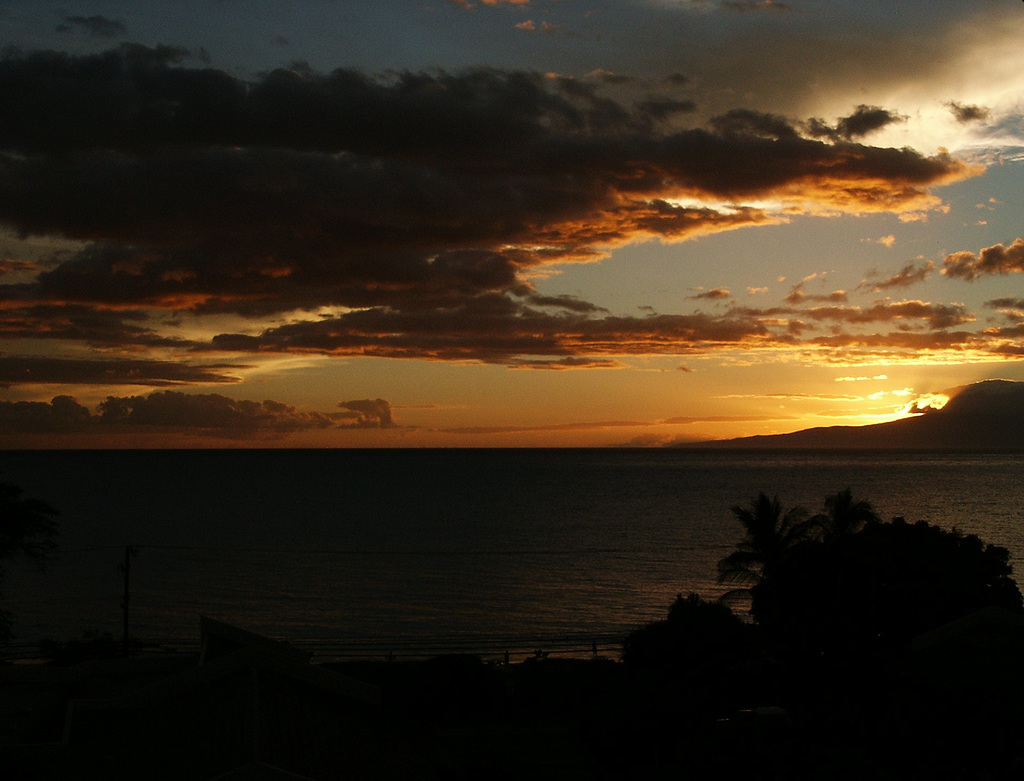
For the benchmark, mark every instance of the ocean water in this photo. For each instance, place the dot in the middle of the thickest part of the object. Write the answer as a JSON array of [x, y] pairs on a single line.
[[354, 553]]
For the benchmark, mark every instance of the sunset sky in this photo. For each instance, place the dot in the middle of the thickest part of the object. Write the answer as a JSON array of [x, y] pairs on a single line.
[[502, 222]]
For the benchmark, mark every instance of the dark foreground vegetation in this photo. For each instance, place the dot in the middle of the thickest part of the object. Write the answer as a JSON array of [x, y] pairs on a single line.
[[848, 648], [27, 529], [876, 650]]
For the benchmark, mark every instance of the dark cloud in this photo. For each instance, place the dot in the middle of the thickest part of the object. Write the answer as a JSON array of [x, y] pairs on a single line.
[[174, 412], [862, 122], [423, 202], [367, 413], [62, 414], [744, 123], [135, 98], [850, 347], [753, 6], [497, 330], [965, 113], [661, 109], [798, 296], [207, 412], [997, 259], [474, 3], [102, 328], [570, 303], [938, 316], [1012, 311], [910, 274], [865, 120], [1005, 303], [40, 370], [1009, 350], [1013, 333], [96, 26], [924, 318]]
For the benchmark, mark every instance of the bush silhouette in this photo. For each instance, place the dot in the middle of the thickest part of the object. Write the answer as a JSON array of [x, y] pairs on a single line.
[[697, 634]]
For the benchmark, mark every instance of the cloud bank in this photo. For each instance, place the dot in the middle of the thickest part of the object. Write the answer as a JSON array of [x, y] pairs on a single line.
[[169, 412], [403, 216]]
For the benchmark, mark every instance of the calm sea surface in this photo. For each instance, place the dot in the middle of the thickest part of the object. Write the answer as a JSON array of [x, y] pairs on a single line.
[[352, 552]]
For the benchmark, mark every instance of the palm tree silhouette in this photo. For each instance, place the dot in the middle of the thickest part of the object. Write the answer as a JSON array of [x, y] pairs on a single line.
[[771, 532], [842, 515]]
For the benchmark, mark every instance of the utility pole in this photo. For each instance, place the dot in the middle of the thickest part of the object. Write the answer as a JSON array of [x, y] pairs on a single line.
[[129, 552]]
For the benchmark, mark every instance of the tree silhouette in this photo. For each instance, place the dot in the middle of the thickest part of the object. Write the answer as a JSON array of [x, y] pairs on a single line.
[[27, 528], [771, 532], [842, 515], [881, 586], [696, 635], [855, 633], [691, 665]]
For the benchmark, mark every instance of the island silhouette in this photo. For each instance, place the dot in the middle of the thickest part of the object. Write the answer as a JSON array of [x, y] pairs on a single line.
[[983, 416]]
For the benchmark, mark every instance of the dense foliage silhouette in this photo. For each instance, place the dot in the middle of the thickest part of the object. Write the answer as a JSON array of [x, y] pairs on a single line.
[[885, 584], [871, 650], [697, 635], [842, 580], [27, 528]]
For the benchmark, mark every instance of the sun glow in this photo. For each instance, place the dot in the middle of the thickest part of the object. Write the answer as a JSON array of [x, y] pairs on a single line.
[[927, 402], [776, 207]]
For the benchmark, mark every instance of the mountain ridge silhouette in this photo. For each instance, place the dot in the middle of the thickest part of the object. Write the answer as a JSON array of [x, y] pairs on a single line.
[[983, 416]]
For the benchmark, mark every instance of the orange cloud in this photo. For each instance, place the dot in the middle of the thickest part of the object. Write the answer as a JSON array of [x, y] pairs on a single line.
[[715, 294], [8, 266]]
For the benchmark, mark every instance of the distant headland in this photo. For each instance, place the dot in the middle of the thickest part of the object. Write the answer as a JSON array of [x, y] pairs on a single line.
[[984, 416]]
